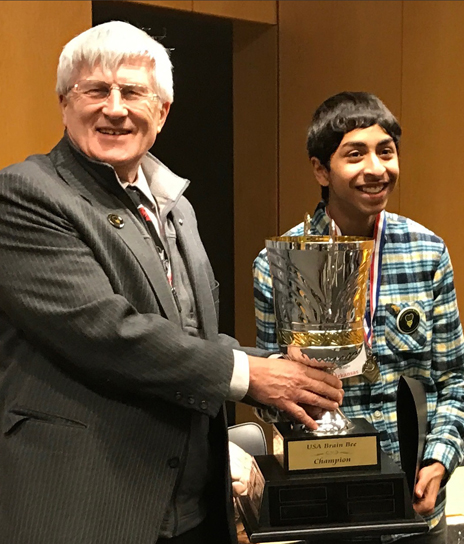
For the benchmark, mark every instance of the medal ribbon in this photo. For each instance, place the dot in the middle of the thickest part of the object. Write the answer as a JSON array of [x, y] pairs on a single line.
[[375, 276], [374, 273]]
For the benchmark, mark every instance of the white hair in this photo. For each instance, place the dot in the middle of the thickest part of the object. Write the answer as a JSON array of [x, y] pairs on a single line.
[[110, 45]]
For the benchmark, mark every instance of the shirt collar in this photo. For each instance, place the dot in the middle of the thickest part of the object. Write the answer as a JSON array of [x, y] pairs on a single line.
[[320, 221], [141, 183]]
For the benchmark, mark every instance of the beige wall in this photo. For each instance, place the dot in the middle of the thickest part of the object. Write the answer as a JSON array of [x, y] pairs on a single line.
[[255, 167], [432, 179], [32, 35]]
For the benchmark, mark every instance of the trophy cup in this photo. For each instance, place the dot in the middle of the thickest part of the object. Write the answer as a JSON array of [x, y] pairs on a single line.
[[336, 479]]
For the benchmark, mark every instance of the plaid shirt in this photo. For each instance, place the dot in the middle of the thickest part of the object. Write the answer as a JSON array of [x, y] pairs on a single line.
[[416, 271]]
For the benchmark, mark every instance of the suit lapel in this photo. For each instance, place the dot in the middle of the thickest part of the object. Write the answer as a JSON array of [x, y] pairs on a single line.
[[110, 198]]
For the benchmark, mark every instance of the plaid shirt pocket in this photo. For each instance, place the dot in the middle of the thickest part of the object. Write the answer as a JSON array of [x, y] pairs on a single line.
[[398, 340]]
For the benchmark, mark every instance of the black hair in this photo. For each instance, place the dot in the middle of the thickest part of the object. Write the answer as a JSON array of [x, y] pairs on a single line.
[[341, 114]]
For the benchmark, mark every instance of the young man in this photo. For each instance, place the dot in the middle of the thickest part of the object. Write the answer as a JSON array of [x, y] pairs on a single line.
[[353, 147]]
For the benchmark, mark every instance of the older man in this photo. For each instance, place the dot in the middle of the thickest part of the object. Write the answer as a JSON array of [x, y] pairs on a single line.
[[113, 372]]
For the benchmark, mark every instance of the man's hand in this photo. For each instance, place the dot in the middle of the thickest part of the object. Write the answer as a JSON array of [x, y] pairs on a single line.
[[427, 487], [294, 388]]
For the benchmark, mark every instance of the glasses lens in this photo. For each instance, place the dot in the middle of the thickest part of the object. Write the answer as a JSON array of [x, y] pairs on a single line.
[[98, 91], [133, 92], [94, 90]]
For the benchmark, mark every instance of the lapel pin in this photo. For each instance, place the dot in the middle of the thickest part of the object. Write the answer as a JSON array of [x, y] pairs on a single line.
[[181, 222], [116, 220], [408, 320]]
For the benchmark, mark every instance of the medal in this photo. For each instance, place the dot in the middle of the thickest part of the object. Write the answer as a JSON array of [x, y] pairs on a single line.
[[370, 368]]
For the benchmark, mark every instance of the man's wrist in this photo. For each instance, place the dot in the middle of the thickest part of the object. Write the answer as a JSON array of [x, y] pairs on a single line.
[[240, 380]]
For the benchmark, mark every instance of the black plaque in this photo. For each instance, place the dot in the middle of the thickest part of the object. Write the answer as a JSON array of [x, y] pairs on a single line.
[[289, 506]]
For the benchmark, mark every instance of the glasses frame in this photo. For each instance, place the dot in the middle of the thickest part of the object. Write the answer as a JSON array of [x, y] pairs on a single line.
[[114, 86]]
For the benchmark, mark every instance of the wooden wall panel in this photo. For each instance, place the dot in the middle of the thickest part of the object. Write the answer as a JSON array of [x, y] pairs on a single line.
[[255, 167], [327, 47], [261, 11], [432, 175], [184, 5], [32, 35], [255, 159]]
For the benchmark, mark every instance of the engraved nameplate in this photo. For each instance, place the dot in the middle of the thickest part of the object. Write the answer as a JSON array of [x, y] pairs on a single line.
[[336, 452]]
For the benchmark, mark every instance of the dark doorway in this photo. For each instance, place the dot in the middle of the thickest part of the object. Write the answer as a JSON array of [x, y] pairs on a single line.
[[197, 140]]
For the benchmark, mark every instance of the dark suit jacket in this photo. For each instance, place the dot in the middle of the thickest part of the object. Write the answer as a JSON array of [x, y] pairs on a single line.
[[98, 379]]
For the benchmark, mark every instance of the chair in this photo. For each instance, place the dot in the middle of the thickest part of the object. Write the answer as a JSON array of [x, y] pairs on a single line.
[[250, 437]]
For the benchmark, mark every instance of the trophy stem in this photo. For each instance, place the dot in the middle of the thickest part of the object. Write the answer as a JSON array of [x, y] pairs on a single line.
[[333, 422]]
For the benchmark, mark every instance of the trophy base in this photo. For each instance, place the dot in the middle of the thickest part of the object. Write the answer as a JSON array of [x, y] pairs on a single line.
[[298, 449], [286, 506]]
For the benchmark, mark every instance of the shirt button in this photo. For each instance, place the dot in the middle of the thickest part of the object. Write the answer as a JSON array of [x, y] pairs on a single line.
[[203, 405], [377, 414], [178, 395], [191, 399], [174, 462]]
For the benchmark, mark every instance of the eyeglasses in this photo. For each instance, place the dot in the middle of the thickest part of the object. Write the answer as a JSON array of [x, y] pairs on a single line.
[[99, 91]]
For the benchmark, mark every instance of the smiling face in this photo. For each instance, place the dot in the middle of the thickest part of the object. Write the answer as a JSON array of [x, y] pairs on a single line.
[[115, 131], [363, 172]]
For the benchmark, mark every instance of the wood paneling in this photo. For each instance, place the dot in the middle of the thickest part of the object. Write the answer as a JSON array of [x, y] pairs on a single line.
[[261, 11], [32, 35], [255, 159], [432, 170], [184, 5], [255, 168], [326, 47]]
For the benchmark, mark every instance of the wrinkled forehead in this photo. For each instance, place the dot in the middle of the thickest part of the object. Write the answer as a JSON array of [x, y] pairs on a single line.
[[135, 69]]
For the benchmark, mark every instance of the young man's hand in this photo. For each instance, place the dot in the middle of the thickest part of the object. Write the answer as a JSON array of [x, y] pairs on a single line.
[[427, 487], [240, 468]]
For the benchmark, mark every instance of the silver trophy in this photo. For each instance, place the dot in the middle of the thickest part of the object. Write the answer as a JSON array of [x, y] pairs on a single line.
[[336, 480], [319, 288]]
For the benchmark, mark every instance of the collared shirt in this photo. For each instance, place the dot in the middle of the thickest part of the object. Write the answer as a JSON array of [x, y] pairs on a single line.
[[417, 272]]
